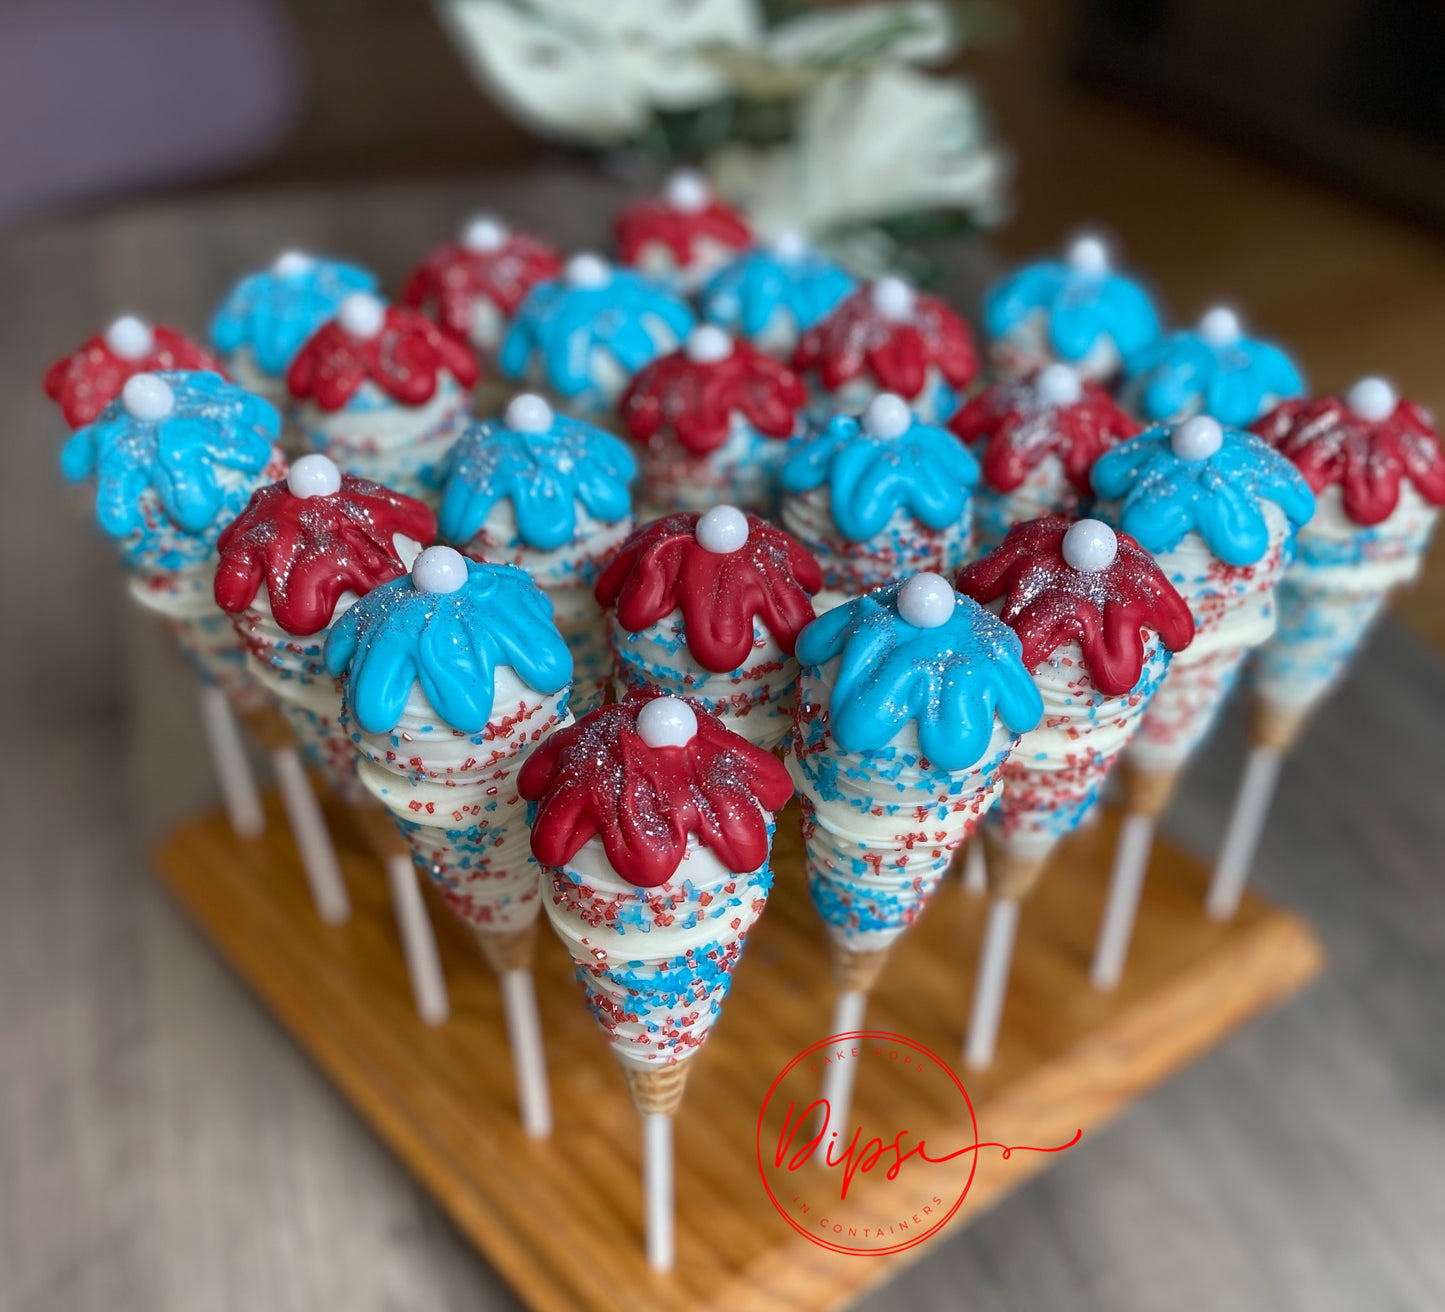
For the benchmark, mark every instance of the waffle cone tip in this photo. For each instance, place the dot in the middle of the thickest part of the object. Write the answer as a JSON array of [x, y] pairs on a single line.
[[857, 972], [1277, 726], [1147, 792], [1012, 875], [508, 950], [269, 727], [656, 1088]]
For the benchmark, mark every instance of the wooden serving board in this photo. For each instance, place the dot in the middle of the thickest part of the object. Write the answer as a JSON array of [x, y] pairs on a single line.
[[561, 1220]]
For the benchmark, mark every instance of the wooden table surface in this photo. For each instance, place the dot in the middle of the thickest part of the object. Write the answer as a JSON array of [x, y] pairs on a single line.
[[164, 1146]]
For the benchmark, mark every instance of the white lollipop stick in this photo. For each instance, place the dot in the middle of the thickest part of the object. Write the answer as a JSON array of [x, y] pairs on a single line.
[[992, 983], [529, 1062], [418, 941], [657, 1202], [1126, 882], [975, 868], [838, 1076], [313, 842], [1246, 824], [239, 794]]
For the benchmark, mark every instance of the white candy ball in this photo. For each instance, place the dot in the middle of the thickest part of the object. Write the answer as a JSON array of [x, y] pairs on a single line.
[[708, 344], [724, 529], [130, 338], [926, 601], [484, 234], [667, 722], [1059, 385], [893, 298], [440, 569], [788, 244], [687, 190], [1220, 326], [1089, 255], [1197, 438], [528, 413], [887, 416], [1373, 399], [587, 270], [292, 264], [147, 396], [313, 476], [1090, 546], [362, 315]]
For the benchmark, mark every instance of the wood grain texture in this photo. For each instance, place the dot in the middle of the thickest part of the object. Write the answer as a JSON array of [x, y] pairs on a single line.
[[444, 1098]]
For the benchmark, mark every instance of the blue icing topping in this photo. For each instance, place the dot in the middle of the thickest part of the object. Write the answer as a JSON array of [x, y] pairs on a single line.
[[949, 680], [743, 295], [927, 472], [181, 461], [564, 322], [450, 642], [543, 475], [1230, 380], [274, 313], [1164, 497], [1079, 308]]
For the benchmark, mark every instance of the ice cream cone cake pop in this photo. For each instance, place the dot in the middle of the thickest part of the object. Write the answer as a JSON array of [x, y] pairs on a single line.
[[1036, 441], [85, 382], [269, 315], [174, 459], [1078, 311], [383, 392], [683, 235], [888, 337], [474, 285], [452, 676], [713, 421], [1219, 510], [301, 552], [709, 607], [1098, 622], [551, 495], [655, 823], [1375, 466], [774, 292], [583, 336], [879, 497], [909, 703], [1212, 369]]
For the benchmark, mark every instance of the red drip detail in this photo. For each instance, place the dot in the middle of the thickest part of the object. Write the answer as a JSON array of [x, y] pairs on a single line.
[[1049, 603], [856, 339], [308, 551], [453, 277], [85, 382], [404, 359], [694, 403], [598, 778], [662, 568], [654, 220], [1330, 443], [1017, 432]]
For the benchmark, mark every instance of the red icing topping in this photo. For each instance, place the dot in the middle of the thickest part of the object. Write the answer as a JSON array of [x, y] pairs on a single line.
[[1330, 443], [1049, 603], [404, 359], [310, 550], [696, 401], [1018, 432], [857, 339], [662, 568], [84, 383], [454, 276], [598, 778], [654, 219]]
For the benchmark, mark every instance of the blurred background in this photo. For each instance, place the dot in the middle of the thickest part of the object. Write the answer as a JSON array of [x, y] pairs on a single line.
[[161, 1143]]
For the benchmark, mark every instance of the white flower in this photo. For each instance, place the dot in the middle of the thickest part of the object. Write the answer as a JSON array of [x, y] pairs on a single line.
[[917, 32]]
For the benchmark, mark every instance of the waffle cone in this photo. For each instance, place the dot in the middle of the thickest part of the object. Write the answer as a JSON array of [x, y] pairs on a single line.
[[1276, 726], [857, 972], [508, 950], [1011, 875], [656, 1088], [269, 727], [380, 831], [1146, 792]]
